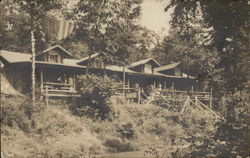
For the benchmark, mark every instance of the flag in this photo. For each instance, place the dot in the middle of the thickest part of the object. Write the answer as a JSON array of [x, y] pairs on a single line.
[[57, 28]]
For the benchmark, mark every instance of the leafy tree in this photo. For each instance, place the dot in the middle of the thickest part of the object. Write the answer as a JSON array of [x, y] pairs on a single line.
[[197, 60], [111, 26], [17, 18], [229, 22], [229, 35], [95, 96], [32, 13]]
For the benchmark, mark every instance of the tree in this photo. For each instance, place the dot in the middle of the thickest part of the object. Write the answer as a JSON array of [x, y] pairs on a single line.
[[109, 26], [229, 35], [100, 23], [31, 12], [229, 21], [197, 60]]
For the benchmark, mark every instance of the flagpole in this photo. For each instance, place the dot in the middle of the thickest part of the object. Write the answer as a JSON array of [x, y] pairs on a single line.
[[33, 79]]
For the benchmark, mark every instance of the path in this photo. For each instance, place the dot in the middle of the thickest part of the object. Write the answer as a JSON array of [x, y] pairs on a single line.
[[133, 154]]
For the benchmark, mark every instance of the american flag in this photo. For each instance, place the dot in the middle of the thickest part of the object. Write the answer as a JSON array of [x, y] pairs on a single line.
[[57, 28]]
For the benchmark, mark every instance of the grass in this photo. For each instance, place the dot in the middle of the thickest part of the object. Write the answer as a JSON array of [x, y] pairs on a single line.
[[33, 131]]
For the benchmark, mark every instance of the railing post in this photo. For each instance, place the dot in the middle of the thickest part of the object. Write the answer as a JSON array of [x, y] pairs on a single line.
[[139, 95], [46, 96], [196, 100]]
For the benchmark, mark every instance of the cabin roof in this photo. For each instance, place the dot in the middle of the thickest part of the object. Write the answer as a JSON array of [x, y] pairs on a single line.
[[117, 68], [68, 64], [53, 47], [185, 76], [86, 58], [71, 62], [142, 62], [17, 57], [13, 57], [167, 67]]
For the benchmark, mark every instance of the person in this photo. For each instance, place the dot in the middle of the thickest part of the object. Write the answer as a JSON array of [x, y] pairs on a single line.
[[160, 87]]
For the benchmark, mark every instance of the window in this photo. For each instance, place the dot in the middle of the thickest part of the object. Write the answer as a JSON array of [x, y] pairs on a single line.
[[54, 58]]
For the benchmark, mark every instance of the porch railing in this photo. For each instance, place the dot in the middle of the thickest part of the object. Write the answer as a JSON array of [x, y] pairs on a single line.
[[192, 94], [57, 87]]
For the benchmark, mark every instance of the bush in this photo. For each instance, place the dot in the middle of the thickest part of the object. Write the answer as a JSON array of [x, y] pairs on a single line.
[[31, 131], [126, 130], [95, 94], [18, 113], [116, 145]]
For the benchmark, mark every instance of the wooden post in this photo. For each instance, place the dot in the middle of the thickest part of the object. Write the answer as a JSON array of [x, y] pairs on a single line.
[[128, 84], [139, 95], [41, 78], [196, 100], [33, 79], [46, 96], [124, 79], [74, 81], [154, 84], [165, 84], [187, 103], [173, 93]]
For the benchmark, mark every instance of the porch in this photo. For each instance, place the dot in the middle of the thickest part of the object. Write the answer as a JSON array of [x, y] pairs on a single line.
[[57, 80]]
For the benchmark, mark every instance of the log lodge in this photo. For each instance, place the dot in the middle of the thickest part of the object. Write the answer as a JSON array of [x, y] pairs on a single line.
[[56, 72]]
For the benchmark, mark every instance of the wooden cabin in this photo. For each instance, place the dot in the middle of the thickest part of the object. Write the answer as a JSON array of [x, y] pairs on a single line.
[[55, 72], [175, 77], [145, 66]]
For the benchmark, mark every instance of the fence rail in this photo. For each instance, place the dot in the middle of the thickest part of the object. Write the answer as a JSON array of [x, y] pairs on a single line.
[[57, 87]]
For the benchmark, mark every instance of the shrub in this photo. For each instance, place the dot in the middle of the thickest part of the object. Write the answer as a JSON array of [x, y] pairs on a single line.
[[116, 145], [18, 113], [126, 130], [95, 94]]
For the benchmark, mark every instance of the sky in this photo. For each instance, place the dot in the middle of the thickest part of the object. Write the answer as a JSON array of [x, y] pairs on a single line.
[[154, 18]]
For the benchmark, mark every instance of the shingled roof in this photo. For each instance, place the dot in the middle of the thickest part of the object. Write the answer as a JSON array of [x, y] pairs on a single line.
[[14, 57], [167, 67], [86, 58], [17, 57], [142, 62], [54, 47]]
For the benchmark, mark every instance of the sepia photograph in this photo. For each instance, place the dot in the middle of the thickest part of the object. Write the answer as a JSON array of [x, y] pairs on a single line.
[[125, 78]]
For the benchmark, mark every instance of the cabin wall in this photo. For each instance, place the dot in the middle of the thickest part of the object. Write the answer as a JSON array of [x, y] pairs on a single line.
[[53, 56], [97, 63], [148, 68], [19, 76], [178, 71], [139, 68]]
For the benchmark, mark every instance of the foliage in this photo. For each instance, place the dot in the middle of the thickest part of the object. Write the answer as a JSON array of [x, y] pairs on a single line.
[[228, 35], [196, 59], [234, 132], [126, 130], [111, 26], [20, 116], [19, 17], [116, 145], [33, 131], [95, 94]]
